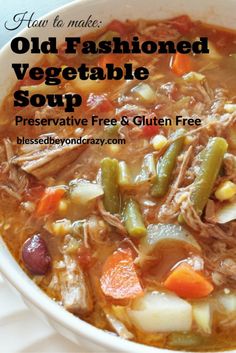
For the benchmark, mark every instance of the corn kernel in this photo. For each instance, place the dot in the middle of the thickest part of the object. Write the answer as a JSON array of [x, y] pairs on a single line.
[[225, 191], [158, 142], [114, 148], [61, 227], [63, 206], [145, 93], [230, 107], [182, 197], [188, 140]]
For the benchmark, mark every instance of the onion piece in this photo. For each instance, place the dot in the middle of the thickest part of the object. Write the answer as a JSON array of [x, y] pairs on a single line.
[[227, 301], [157, 233], [118, 326], [83, 191], [145, 93], [193, 77], [148, 169], [87, 86], [230, 107], [202, 315], [226, 213]]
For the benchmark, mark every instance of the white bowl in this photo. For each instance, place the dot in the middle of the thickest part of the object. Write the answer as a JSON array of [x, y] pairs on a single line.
[[219, 12]]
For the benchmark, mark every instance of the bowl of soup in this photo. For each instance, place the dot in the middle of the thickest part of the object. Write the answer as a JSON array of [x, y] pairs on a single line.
[[118, 197]]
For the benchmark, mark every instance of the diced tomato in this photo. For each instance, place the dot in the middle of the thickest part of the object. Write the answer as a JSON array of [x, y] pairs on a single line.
[[84, 257], [119, 279], [117, 26], [150, 130], [49, 201], [34, 193], [99, 102], [182, 23]]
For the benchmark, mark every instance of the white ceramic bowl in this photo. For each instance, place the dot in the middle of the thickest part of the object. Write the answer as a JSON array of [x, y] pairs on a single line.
[[219, 12]]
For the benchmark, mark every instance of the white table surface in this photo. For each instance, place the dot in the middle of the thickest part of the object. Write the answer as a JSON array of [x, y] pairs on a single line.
[[20, 330]]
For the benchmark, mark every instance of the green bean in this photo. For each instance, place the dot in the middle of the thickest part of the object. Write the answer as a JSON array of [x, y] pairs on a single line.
[[211, 162], [111, 197], [166, 165], [124, 176], [133, 219], [148, 169]]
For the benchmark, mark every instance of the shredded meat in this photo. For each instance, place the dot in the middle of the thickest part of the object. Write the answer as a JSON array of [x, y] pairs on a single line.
[[16, 180], [10, 192], [97, 230], [118, 325], [160, 31], [218, 243], [10, 154], [111, 219], [169, 210], [86, 235], [210, 212], [49, 161], [229, 321], [219, 100], [229, 163], [75, 292], [181, 173], [215, 125], [205, 91], [204, 229], [226, 121]]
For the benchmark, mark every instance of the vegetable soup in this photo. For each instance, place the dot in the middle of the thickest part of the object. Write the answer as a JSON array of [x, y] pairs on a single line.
[[135, 236]]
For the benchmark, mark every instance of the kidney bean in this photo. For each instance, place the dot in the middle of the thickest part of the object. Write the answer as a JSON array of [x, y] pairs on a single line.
[[35, 255]]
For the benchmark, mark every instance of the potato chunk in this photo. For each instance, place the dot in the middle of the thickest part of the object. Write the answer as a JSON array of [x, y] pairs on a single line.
[[161, 312]]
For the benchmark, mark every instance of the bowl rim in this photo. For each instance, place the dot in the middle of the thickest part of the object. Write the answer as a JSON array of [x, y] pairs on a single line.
[[14, 274]]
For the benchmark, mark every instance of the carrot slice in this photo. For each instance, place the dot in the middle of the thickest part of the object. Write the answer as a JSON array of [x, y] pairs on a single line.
[[181, 64], [187, 283], [119, 278], [49, 201]]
